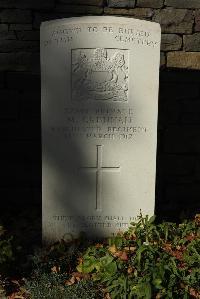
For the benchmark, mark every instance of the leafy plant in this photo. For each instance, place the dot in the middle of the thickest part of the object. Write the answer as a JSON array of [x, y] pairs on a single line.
[[148, 261]]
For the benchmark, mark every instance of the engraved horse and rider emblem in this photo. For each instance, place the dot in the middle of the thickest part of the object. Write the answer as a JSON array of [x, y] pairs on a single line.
[[100, 74]]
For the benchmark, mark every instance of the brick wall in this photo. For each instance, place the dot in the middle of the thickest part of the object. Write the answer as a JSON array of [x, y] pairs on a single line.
[[178, 173]]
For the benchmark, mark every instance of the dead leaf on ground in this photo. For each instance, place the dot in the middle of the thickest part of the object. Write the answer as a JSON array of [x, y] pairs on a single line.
[[70, 281], [197, 219], [130, 248], [194, 293], [16, 296], [122, 255], [80, 260], [130, 270], [79, 275], [98, 245], [191, 237], [55, 269], [107, 296], [158, 296], [112, 249], [76, 277]]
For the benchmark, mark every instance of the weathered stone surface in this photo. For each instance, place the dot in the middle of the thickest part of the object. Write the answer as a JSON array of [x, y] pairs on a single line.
[[27, 61], [16, 45], [20, 26], [150, 3], [7, 35], [21, 61], [183, 3], [197, 20], [3, 28], [43, 16], [83, 2], [191, 42], [186, 60], [28, 35], [15, 16], [140, 13], [99, 195], [35, 4], [162, 59], [175, 20], [171, 42], [7, 60], [121, 3], [79, 9]]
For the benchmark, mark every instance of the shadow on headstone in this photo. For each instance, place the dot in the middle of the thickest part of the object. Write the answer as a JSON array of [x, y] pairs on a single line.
[[99, 124]]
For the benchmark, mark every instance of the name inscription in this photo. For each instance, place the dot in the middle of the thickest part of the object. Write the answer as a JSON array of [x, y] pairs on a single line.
[[99, 124]]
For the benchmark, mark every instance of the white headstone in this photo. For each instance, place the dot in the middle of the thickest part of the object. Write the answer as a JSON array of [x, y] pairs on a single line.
[[99, 123]]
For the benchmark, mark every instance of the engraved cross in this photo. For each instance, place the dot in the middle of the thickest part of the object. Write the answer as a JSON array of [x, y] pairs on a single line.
[[98, 170]]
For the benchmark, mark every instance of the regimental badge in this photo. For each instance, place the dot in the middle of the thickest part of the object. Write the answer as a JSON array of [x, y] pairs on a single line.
[[100, 74]]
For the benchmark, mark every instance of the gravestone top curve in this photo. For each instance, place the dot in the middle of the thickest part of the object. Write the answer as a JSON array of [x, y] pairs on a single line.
[[100, 78]]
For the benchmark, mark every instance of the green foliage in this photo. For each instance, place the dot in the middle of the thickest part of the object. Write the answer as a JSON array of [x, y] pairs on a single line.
[[92, 261], [148, 261]]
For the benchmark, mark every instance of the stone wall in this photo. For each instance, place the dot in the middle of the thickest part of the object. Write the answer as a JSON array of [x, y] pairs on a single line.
[[178, 175], [20, 21]]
